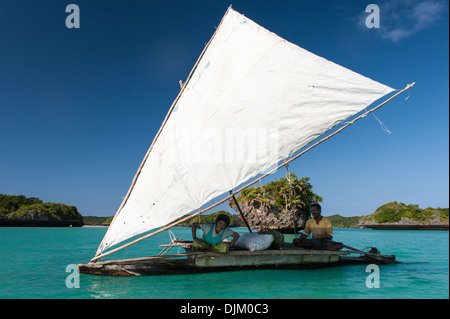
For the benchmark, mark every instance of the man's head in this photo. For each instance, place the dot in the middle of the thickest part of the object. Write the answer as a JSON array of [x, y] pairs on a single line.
[[316, 210], [222, 221]]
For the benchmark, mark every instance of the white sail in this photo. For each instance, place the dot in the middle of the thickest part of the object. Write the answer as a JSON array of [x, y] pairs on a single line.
[[253, 99]]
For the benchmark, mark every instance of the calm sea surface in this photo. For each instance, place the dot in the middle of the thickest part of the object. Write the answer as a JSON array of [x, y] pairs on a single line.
[[33, 264]]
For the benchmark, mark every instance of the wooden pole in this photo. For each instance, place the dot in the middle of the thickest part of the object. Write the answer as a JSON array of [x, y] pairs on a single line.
[[98, 256], [240, 212], [375, 257]]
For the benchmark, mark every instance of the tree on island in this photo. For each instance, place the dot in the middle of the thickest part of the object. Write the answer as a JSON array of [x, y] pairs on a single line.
[[22, 211], [282, 205], [395, 212]]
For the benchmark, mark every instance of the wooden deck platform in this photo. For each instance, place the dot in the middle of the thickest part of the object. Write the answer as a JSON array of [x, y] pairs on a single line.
[[208, 261], [289, 257]]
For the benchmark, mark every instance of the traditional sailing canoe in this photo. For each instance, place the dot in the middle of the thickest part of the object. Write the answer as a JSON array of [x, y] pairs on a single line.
[[289, 257], [252, 101]]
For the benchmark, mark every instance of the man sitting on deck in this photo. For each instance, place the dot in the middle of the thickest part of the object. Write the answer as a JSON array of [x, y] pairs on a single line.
[[213, 235], [322, 232]]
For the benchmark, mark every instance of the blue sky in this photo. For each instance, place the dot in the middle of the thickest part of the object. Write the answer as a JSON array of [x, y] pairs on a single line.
[[80, 107]]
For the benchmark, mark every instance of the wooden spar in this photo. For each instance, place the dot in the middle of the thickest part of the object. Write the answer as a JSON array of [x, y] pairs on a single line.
[[371, 256], [183, 86], [169, 247], [240, 212], [368, 255], [98, 256]]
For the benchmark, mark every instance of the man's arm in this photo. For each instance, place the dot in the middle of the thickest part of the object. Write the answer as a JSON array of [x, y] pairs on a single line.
[[306, 231], [328, 235], [235, 238], [195, 226], [324, 236], [303, 236]]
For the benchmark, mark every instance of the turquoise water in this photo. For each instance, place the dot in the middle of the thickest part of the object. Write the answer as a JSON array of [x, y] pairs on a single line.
[[34, 261]]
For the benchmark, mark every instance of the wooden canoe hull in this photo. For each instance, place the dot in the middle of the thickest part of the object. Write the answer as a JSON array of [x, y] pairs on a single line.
[[202, 262], [271, 258], [212, 262]]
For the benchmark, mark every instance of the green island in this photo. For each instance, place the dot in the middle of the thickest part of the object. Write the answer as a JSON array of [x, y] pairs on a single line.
[[396, 215], [97, 220], [283, 199], [21, 211]]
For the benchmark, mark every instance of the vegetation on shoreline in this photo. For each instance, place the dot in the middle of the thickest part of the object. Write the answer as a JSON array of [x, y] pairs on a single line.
[[21, 207], [10, 203], [339, 221], [394, 212], [282, 205], [96, 220], [211, 218], [289, 194]]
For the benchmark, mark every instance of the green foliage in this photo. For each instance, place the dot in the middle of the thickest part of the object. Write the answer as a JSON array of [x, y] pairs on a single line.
[[339, 221], [393, 212], [109, 220], [50, 210], [11, 203], [22, 207], [443, 213], [211, 218], [94, 220], [294, 195], [387, 216]]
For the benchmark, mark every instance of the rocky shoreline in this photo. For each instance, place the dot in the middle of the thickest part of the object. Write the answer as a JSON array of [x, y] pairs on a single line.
[[405, 227], [406, 224]]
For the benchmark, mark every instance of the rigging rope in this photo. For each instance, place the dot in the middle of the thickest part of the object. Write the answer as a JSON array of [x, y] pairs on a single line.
[[173, 239], [383, 126]]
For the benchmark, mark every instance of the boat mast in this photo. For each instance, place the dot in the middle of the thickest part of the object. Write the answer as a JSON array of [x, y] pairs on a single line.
[[240, 212], [98, 256]]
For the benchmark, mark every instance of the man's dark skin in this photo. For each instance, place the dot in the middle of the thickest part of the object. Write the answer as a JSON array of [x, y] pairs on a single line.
[[317, 215], [306, 243]]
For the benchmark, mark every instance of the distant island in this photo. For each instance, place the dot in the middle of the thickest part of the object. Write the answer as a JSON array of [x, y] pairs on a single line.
[[397, 216], [97, 221], [400, 216], [235, 221], [21, 211], [392, 215]]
